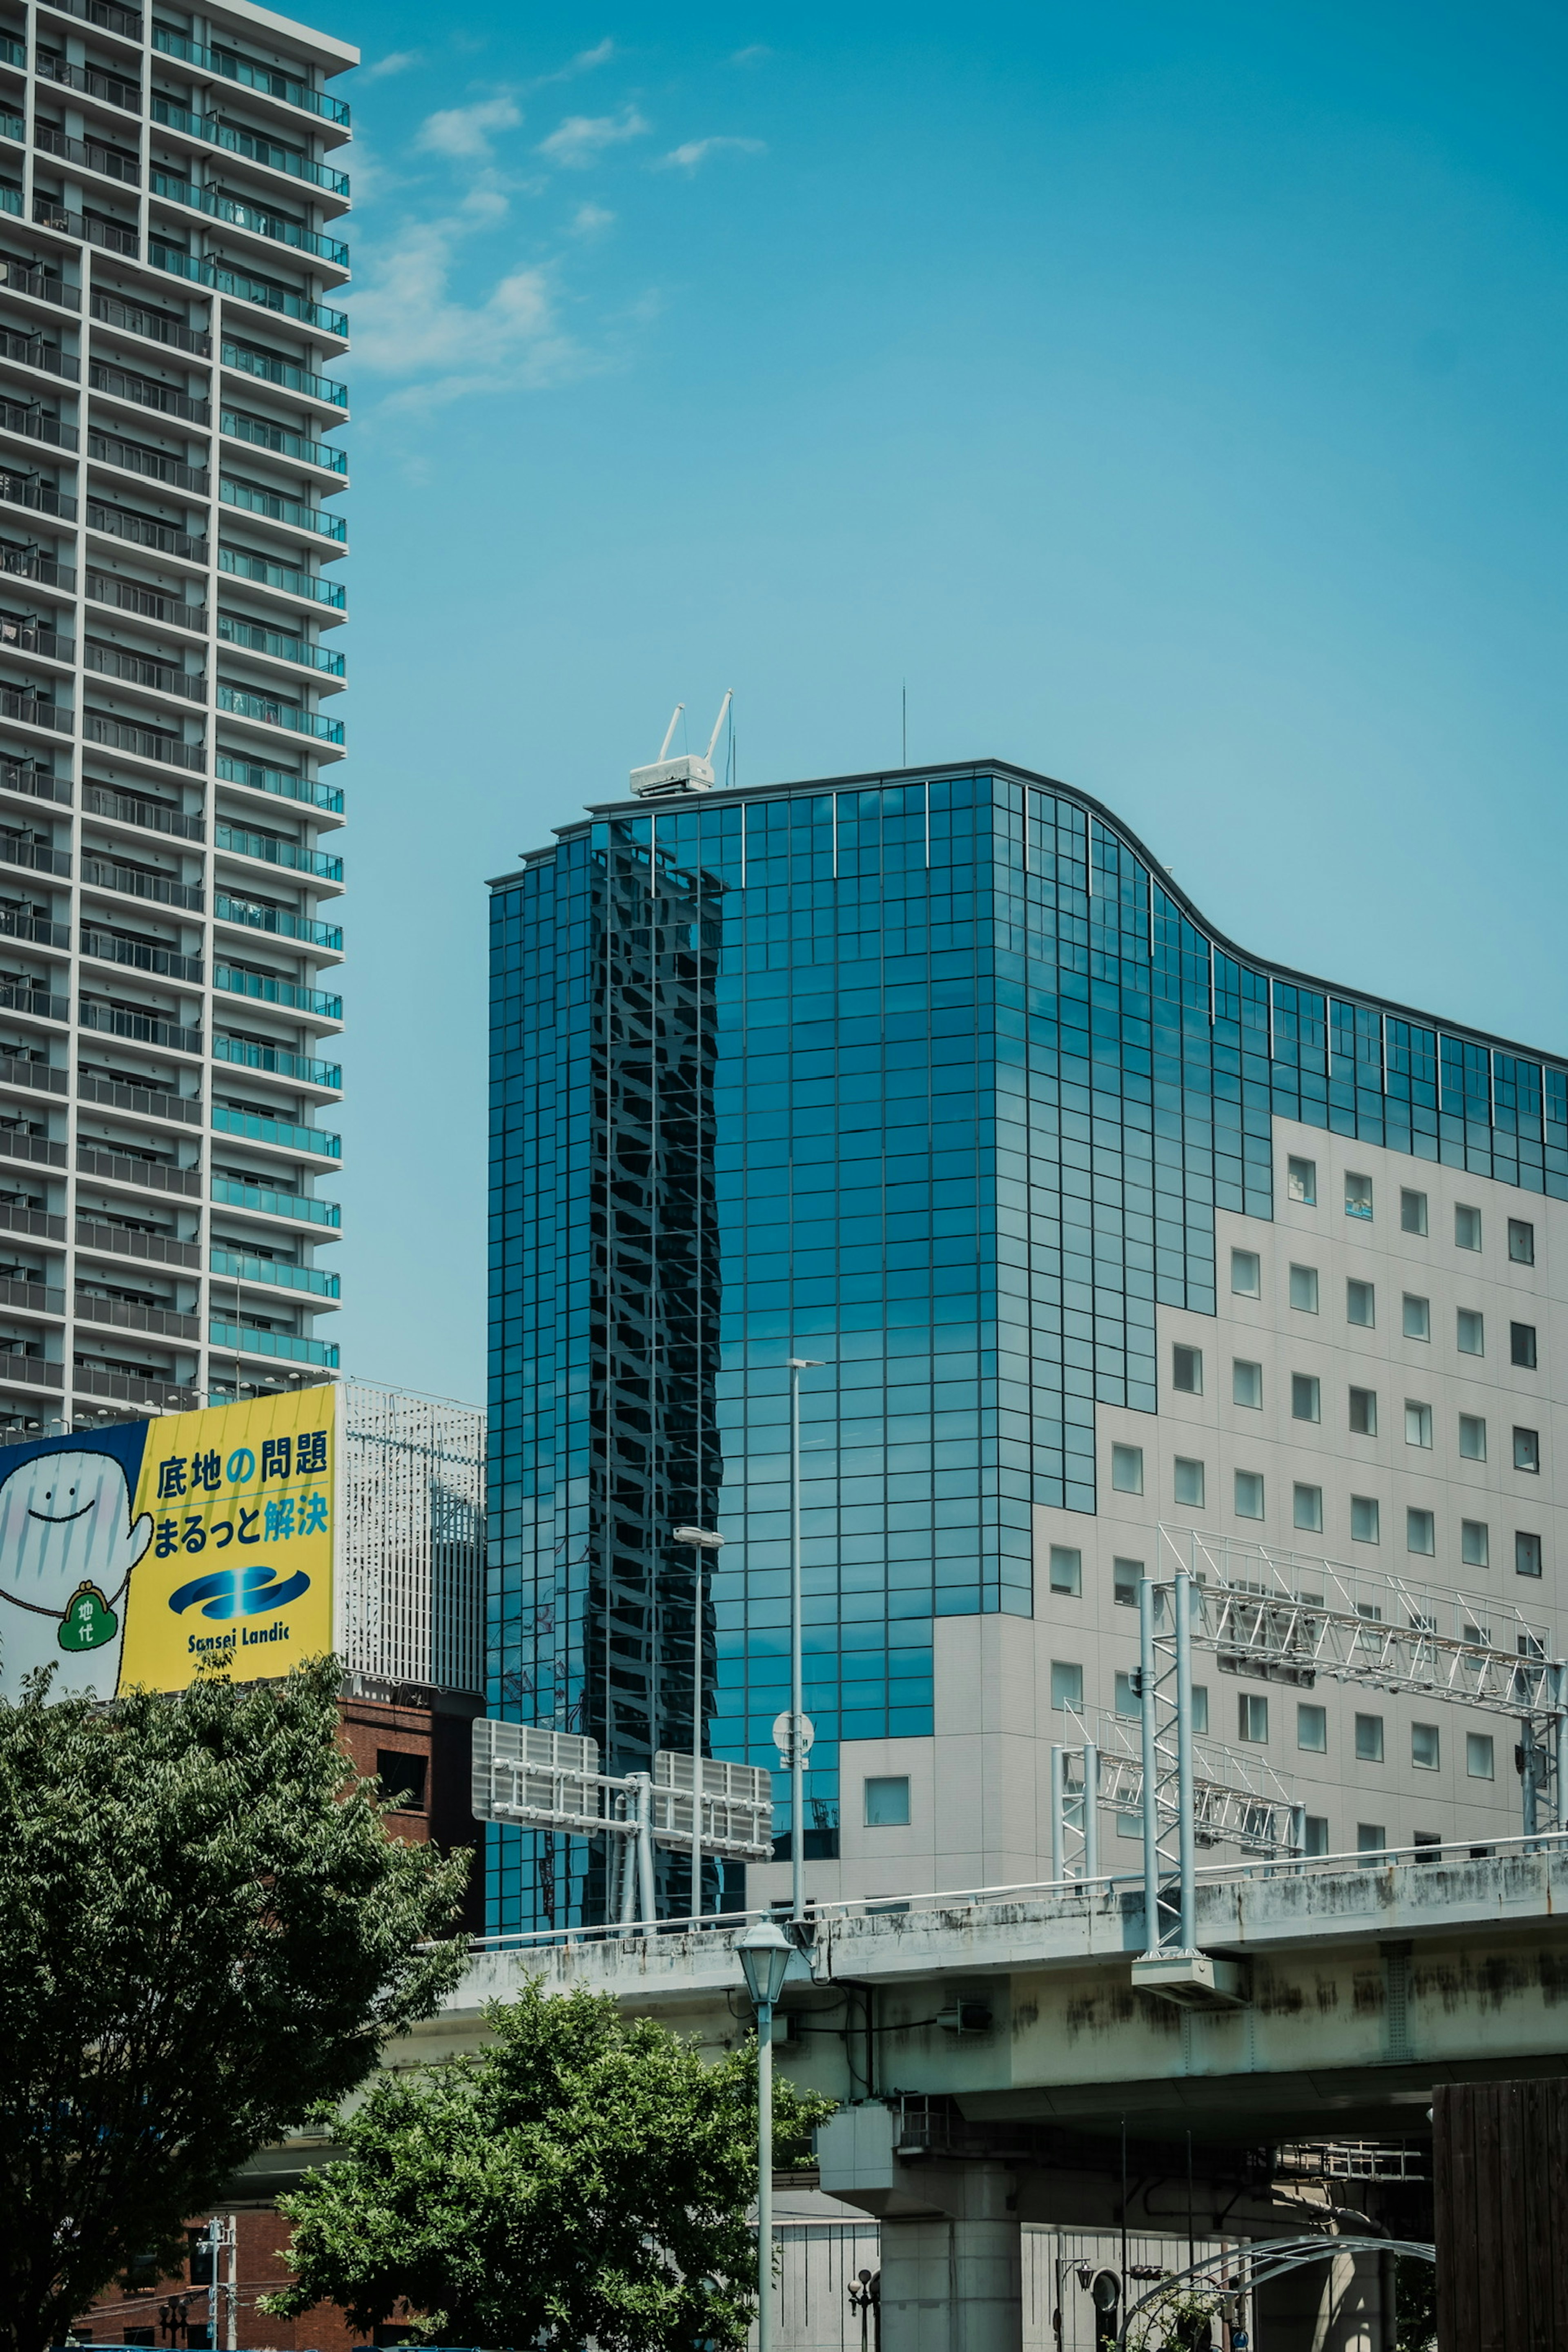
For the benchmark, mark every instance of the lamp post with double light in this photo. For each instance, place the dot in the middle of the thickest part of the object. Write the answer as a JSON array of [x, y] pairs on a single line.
[[702, 1540], [765, 1954]]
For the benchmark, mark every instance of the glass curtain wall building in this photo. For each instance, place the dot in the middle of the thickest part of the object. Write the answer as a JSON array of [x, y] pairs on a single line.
[[937, 1078]]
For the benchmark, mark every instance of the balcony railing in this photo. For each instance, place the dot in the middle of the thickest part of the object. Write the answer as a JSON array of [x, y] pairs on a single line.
[[232, 631], [277, 1204], [147, 742], [239, 1268], [18, 849], [259, 222], [133, 1388], [39, 1222], [111, 663], [27, 776], [282, 781], [10, 198], [42, 284], [109, 87], [255, 498], [246, 566], [156, 325], [43, 498], [250, 143], [247, 288], [138, 957], [16, 1070], [26, 564], [14, 126], [38, 1371], [143, 532], [33, 711], [285, 372], [249, 1055], [162, 889], [146, 394], [98, 801], [113, 236], [146, 1028], [279, 714], [126, 1315], [37, 1298], [16, 1143], [279, 921], [268, 79], [277, 853], [268, 990], [277, 1131], [98, 158], [264, 434], [154, 1175], [132, 1241], [48, 933], [13, 53], [25, 636], [247, 1342], [130, 596], [23, 417], [22, 995], [126, 22], [140, 1099], [111, 450], [31, 350]]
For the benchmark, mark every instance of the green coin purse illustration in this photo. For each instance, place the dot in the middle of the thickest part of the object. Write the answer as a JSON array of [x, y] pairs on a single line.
[[88, 1620]]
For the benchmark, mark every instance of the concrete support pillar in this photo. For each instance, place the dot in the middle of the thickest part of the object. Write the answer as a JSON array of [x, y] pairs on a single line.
[[953, 2281]]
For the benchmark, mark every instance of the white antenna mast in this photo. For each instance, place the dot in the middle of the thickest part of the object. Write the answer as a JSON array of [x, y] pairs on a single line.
[[688, 774]]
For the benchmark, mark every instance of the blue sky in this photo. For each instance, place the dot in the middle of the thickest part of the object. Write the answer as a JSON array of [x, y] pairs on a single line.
[[1173, 395]]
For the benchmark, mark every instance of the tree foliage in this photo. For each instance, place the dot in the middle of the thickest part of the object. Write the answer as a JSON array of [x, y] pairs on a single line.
[[583, 2176], [207, 1931]]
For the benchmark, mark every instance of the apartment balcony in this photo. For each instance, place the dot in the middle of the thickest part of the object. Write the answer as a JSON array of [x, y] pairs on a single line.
[[130, 596], [113, 90], [20, 994], [40, 928], [257, 638], [109, 160], [285, 372], [27, 849], [260, 499], [36, 1371], [19, 489], [246, 566], [33, 1298], [133, 1388], [131, 1241], [267, 990], [132, 319], [30, 420], [33, 710], [39, 1224], [140, 955], [278, 1131], [142, 1028], [145, 742], [236, 1268], [262, 434], [252, 144], [38, 284], [16, 1143], [253, 219], [245, 288], [247, 1341], [147, 393], [120, 522], [139, 669], [125, 1315], [26, 564], [126, 23], [21, 632], [98, 800], [39, 783], [33, 351], [43, 1077], [146, 1104], [110, 873], [241, 702], [280, 922], [151, 1175], [270, 80], [12, 52], [281, 782], [314, 862], [135, 458], [112, 234], [280, 1060], [263, 1201]]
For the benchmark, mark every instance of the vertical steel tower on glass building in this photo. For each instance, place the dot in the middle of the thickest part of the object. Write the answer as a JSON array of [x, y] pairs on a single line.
[[169, 268], [1105, 1233]]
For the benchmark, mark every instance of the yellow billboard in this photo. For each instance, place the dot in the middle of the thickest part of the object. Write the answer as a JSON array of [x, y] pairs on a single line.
[[141, 1553]]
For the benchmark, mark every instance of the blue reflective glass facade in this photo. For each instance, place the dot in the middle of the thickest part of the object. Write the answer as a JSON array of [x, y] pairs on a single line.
[[932, 1078]]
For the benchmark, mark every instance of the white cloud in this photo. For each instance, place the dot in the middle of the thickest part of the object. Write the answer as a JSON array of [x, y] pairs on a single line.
[[581, 137], [696, 151], [756, 53], [464, 131], [408, 322], [586, 59], [395, 62], [588, 220]]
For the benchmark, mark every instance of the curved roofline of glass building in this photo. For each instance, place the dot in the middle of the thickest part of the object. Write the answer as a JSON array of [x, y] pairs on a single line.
[[871, 779]]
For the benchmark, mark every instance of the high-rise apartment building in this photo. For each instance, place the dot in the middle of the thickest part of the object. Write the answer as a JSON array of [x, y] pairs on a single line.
[[1105, 1235], [170, 192]]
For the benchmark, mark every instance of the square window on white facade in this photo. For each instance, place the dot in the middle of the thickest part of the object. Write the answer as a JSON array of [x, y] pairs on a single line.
[[1472, 1331], [887, 1801], [1364, 1518], [1301, 1181], [1066, 1686], [1466, 1229], [1420, 1531], [1307, 1509], [1425, 1747], [1358, 1196], [1361, 1304], [1417, 1322], [1127, 1469], [1246, 1385], [1312, 1729], [1250, 1493], [1246, 1274], [1304, 1289], [1479, 1756], [1067, 1569], [1413, 1213], [1188, 1482]]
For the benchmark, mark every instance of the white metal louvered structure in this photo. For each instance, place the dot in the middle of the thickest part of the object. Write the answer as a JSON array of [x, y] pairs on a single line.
[[411, 1553]]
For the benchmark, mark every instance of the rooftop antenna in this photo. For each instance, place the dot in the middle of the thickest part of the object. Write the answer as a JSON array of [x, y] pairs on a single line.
[[685, 774]]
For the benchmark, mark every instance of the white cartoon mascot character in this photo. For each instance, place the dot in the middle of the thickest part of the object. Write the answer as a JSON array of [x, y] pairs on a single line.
[[67, 1545]]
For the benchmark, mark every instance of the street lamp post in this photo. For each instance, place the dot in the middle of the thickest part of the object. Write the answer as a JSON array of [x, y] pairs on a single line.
[[764, 1952], [798, 1364], [702, 1540]]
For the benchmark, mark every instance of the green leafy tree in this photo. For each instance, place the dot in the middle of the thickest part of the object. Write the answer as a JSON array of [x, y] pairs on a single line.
[[583, 2176], [206, 1931]]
